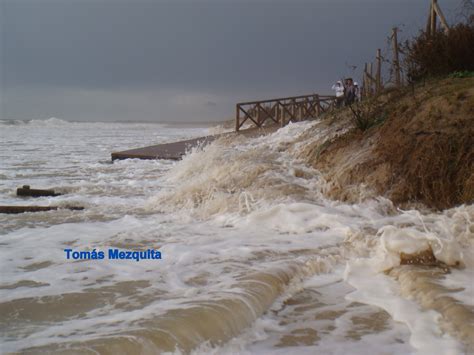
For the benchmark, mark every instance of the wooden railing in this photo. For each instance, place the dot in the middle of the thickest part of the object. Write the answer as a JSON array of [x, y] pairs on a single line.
[[282, 110]]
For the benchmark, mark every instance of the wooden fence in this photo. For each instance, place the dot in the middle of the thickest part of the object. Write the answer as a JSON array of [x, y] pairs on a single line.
[[283, 110], [372, 83]]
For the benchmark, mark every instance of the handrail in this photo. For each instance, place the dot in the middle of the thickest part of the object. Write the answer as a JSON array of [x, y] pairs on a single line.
[[282, 110], [286, 98]]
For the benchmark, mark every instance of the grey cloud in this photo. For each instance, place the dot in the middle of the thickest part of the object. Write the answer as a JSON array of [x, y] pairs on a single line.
[[235, 50]]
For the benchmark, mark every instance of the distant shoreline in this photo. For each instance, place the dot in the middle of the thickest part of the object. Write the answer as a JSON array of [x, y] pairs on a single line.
[[167, 123]]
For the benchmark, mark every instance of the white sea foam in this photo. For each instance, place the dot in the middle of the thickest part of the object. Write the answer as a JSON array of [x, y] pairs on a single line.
[[48, 122], [242, 225]]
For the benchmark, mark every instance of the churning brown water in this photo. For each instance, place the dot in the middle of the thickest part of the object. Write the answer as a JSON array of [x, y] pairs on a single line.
[[255, 259]]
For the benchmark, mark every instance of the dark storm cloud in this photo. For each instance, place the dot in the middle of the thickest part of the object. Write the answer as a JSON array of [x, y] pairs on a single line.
[[220, 50]]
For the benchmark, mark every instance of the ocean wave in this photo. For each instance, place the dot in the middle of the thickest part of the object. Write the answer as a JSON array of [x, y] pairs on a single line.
[[237, 174], [49, 122], [409, 266], [269, 228], [268, 183]]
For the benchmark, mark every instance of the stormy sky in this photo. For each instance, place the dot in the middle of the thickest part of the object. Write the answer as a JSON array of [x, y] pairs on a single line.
[[178, 61]]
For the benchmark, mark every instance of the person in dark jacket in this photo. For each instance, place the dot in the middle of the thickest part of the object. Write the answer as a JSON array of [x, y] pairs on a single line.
[[349, 92]]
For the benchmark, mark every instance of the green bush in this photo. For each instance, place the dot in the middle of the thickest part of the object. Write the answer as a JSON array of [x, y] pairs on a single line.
[[462, 74]]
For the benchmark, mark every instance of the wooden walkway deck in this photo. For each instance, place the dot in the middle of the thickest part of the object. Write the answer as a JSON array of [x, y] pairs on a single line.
[[277, 111], [176, 150], [172, 151]]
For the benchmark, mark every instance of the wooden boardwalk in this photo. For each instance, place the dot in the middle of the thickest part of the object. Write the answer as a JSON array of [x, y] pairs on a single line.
[[278, 112], [282, 110], [172, 151], [176, 150]]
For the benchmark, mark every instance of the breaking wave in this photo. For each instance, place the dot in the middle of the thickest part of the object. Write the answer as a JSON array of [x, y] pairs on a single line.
[[50, 122], [265, 182], [242, 175], [256, 258]]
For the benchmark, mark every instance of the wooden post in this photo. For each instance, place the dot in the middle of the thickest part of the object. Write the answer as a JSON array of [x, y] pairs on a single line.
[[318, 105], [378, 75], [370, 78], [237, 117], [365, 82], [257, 107], [428, 23], [277, 112], [440, 14], [396, 61], [433, 18], [293, 110], [23, 209], [283, 114], [27, 191]]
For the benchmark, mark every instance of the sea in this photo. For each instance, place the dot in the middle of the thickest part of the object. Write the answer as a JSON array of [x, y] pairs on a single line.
[[250, 256]]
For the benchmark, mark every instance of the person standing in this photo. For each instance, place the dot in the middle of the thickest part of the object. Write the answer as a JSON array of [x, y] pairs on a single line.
[[339, 88], [349, 92], [357, 92]]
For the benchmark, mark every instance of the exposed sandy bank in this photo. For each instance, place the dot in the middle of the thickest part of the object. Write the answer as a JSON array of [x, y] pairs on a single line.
[[421, 151]]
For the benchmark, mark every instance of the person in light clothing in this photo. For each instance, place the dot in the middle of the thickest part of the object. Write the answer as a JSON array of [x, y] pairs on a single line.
[[339, 88], [357, 92]]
